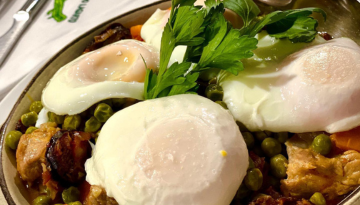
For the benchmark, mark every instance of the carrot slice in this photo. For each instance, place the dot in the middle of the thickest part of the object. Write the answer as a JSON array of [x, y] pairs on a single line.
[[136, 32], [348, 140]]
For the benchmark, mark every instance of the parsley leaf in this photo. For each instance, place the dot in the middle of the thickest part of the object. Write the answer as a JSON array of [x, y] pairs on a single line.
[[225, 47], [186, 87], [229, 52], [173, 76], [181, 29], [246, 9], [209, 4], [149, 83], [188, 24], [167, 46], [174, 81], [211, 41], [303, 29], [297, 25]]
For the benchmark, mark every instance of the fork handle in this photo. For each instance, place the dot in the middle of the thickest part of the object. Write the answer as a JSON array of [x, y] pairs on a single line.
[[33, 6], [20, 21], [8, 40]]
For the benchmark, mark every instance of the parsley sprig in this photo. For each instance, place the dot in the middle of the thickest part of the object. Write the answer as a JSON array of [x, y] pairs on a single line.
[[297, 25], [213, 43], [184, 27]]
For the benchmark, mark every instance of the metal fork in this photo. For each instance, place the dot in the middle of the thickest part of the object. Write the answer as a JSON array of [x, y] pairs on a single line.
[[21, 20]]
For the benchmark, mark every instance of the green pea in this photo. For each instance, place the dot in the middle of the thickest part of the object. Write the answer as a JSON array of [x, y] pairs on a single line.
[[71, 122], [103, 112], [58, 119], [271, 147], [71, 194], [318, 199], [42, 200], [278, 166], [251, 164], [92, 125], [75, 203], [29, 119], [260, 136], [254, 179], [242, 192], [282, 137], [30, 129], [222, 104], [321, 144], [36, 106], [249, 139], [214, 92], [12, 139]]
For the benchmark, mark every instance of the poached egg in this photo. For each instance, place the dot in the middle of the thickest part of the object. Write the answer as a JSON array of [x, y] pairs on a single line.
[[114, 71], [314, 89], [183, 149]]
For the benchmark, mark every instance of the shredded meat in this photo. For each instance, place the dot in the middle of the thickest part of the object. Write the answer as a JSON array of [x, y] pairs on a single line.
[[272, 197], [259, 162], [115, 32], [268, 200], [31, 151], [97, 196], [309, 172]]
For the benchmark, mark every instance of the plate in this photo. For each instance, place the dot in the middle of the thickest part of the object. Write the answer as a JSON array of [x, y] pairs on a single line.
[[10, 99], [346, 24], [14, 192]]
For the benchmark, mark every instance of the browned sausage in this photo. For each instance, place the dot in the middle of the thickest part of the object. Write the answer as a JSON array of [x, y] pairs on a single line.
[[114, 32], [67, 152]]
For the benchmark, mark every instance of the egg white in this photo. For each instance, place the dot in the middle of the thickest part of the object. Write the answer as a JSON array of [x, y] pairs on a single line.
[[114, 71], [315, 89], [183, 149]]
